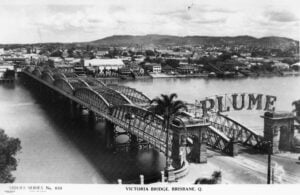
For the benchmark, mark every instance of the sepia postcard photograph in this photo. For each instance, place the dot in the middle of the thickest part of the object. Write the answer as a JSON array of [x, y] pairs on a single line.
[[156, 96]]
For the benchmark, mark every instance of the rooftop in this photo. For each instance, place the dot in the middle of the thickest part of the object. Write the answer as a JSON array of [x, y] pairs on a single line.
[[102, 62]]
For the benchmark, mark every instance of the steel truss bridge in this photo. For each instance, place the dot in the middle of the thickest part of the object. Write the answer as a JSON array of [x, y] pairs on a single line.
[[113, 102], [230, 130]]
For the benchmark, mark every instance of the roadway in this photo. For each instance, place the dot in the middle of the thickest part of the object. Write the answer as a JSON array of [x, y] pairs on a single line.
[[252, 168], [246, 168]]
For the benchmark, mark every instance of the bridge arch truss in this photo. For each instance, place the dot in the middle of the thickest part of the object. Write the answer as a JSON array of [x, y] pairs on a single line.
[[235, 130], [77, 83], [46, 76], [59, 75], [134, 95], [112, 96], [64, 85], [92, 98], [37, 72], [92, 82], [144, 125]]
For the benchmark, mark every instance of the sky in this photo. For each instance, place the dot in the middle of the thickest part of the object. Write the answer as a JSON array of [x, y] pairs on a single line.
[[32, 21]]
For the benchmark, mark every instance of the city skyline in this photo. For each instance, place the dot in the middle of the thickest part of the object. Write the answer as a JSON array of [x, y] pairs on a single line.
[[34, 21]]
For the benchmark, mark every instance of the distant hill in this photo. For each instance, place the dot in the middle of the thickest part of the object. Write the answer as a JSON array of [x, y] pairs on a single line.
[[154, 40], [167, 40]]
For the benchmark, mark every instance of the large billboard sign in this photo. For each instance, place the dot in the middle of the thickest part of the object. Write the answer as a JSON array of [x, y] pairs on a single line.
[[236, 102]]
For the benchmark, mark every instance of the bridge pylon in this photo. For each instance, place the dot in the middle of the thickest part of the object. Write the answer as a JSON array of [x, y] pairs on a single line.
[[199, 149], [197, 132], [278, 128]]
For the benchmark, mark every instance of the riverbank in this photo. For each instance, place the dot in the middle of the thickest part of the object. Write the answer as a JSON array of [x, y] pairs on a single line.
[[108, 80], [203, 75], [199, 75], [163, 75]]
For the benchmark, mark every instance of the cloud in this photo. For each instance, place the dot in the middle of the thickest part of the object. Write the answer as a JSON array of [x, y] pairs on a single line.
[[197, 9], [179, 14], [94, 19], [210, 9], [211, 21], [116, 9], [221, 10], [54, 9], [66, 22], [281, 16], [182, 16], [196, 13]]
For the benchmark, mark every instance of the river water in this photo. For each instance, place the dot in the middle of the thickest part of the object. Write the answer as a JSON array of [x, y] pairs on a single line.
[[56, 149], [286, 89]]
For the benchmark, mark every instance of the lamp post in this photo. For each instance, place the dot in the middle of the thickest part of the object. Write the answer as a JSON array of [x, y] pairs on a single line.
[[269, 144]]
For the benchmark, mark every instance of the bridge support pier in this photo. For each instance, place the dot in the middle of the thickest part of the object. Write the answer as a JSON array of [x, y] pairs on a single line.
[[72, 107], [109, 135], [46, 94], [134, 143], [39, 89], [52, 98], [233, 148], [92, 119], [60, 100], [79, 109]]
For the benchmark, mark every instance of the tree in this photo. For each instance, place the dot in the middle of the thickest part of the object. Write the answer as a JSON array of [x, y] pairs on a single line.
[[71, 52], [149, 53], [56, 53], [8, 149], [172, 62], [167, 107], [224, 56]]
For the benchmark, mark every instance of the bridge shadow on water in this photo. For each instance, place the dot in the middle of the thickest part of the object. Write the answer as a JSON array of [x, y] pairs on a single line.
[[89, 139]]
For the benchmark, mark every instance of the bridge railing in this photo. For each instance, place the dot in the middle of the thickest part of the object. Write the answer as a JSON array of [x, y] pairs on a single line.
[[235, 130], [217, 140]]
